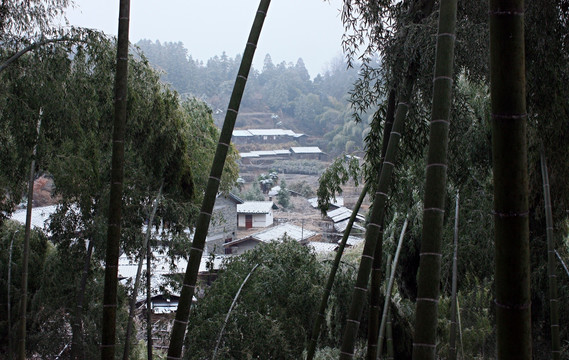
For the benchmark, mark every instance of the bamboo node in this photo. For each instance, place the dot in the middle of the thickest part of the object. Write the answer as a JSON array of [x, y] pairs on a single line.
[[509, 116], [430, 254], [442, 78], [360, 289], [214, 178], [252, 44], [444, 121], [196, 249], [506, 12], [204, 213], [232, 110], [374, 225], [432, 346], [434, 209], [395, 133], [388, 163], [242, 77], [447, 34], [353, 321], [511, 214], [513, 306], [437, 164], [110, 305], [181, 322], [189, 286]]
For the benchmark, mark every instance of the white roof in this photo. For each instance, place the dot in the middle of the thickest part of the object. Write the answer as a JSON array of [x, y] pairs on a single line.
[[342, 225], [248, 155], [341, 214], [339, 201], [254, 207], [241, 133], [352, 240], [322, 247], [40, 216], [277, 232], [162, 265], [265, 132], [306, 150], [264, 152]]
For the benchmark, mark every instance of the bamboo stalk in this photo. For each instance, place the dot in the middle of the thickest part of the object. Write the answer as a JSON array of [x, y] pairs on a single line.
[[375, 293], [374, 226], [26, 251], [330, 282], [551, 272], [510, 169], [183, 312], [389, 332], [8, 305], [380, 333], [391, 281], [562, 262], [426, 314], [108, 337], [452, 339], [229, 311], [132, 303]]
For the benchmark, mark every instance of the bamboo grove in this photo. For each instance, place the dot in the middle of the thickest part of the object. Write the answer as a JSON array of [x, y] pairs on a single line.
[[461, 98]]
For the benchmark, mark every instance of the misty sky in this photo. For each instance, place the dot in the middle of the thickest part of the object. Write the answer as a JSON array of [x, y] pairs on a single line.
[[307, 29]]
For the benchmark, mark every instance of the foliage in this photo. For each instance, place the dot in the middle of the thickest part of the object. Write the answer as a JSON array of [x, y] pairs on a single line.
[[284, 195], [303, 188], [273, 314], [342, 170]]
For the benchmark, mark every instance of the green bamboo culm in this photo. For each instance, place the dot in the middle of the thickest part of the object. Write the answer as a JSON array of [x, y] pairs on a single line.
[[426, 314], [318, 321], [374, 226], [389, 336], [26, 252], [453, 310], [375, 293], [141, 256], [108, 338], [509, 160], [551, 268], [183, 312]]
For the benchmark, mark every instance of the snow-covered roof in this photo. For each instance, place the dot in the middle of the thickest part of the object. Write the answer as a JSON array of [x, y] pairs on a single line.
[[338, 202], [306, 150], [40, 216], [342, 225], [254, 207], [240, 133], [248, 155], [162, 266], [265, 132], [341, 214], [322, 247], [352, 240], [276, 233]]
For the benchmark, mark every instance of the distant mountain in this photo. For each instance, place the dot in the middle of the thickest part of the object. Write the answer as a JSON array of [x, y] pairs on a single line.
[[277, 96]]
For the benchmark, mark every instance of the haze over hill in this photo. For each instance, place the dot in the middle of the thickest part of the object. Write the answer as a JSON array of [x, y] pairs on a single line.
[[277, 96]]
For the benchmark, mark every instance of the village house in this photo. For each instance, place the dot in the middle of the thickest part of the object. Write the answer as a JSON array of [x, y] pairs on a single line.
[[307, 153], [265, 136], [276, 233], [255, 214], [223, 225]]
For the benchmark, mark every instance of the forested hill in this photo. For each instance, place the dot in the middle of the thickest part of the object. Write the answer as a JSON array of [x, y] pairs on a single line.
[[276, 96]]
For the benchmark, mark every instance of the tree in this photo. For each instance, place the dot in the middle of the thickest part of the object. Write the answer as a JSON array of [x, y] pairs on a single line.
[[272, 317], [284, 196], [509, 158]]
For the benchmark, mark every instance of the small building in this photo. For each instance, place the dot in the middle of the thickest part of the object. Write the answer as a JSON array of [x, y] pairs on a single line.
[[259, 136], [255, 214], [307, 152], [276, 233], [223, 224]]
